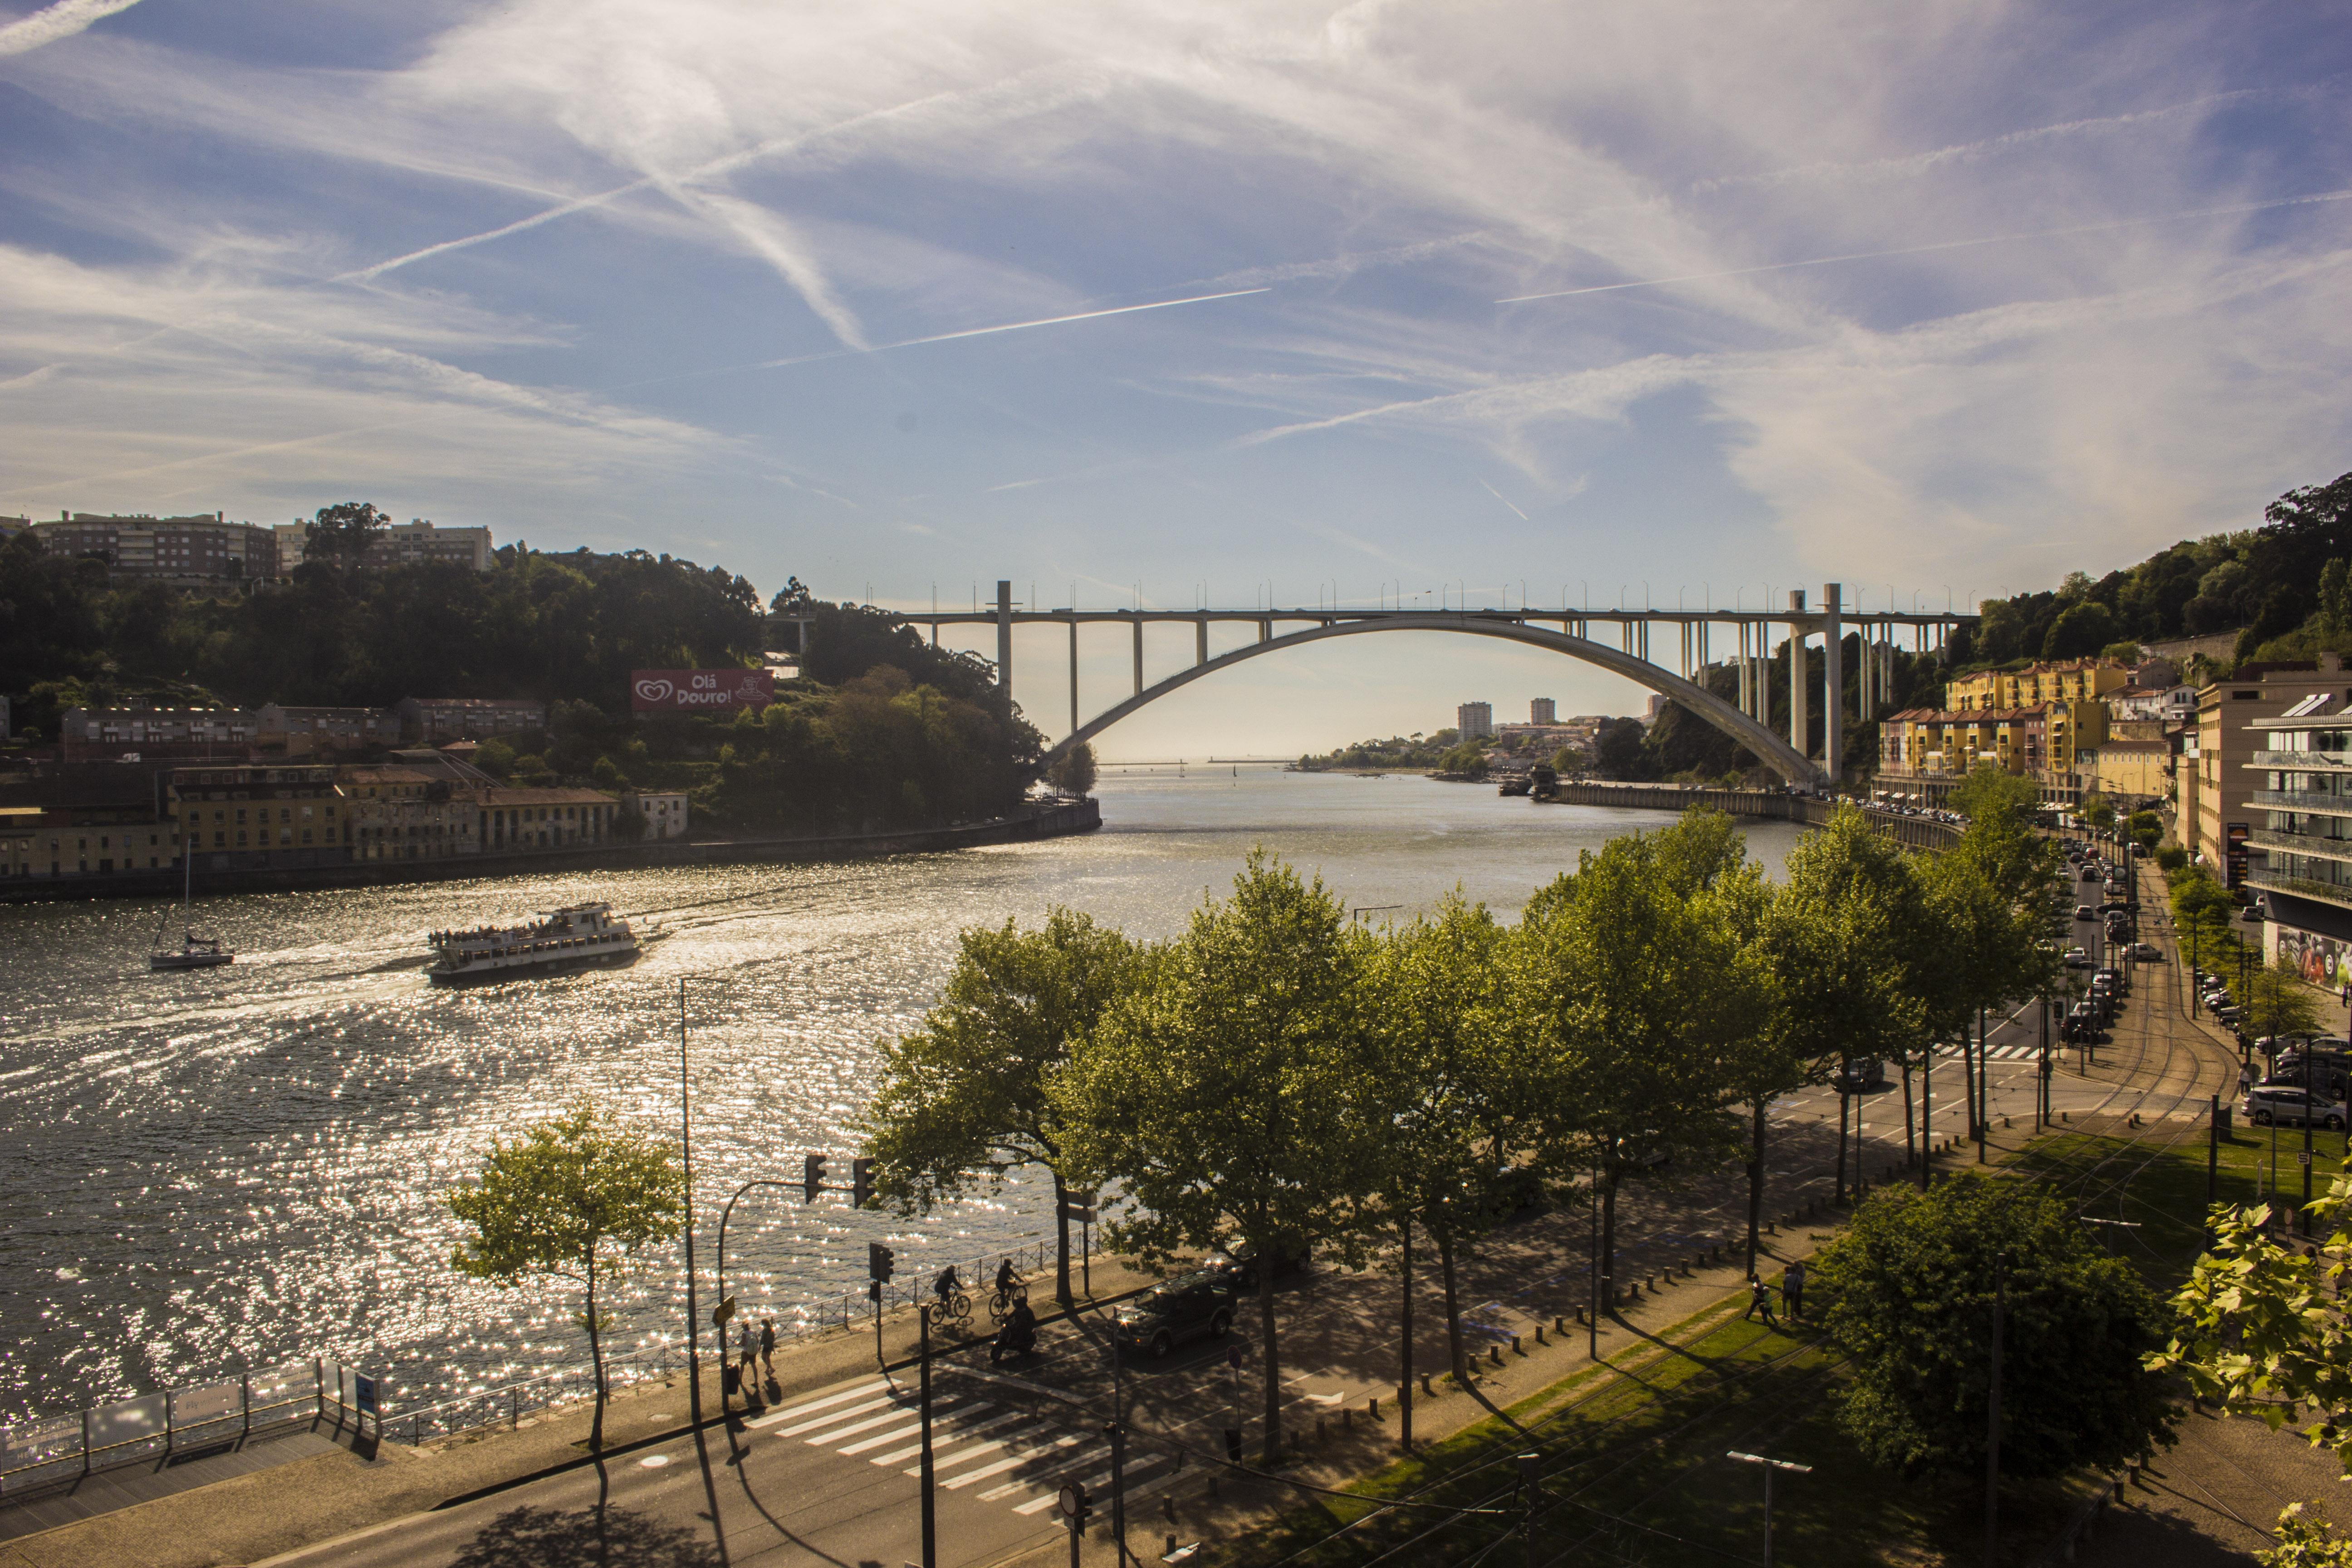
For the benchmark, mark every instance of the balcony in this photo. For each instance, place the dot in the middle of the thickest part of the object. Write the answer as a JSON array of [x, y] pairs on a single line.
[[2271, 880], [2303, 800], [2301, 844], [2302, 762]]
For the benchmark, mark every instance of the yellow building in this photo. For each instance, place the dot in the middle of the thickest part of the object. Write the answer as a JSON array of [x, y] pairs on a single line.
[[2129, 770], [1941, 742], [2073, 680]]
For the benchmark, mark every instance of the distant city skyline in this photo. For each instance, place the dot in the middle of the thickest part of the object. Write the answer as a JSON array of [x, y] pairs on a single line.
[[1307, 302]]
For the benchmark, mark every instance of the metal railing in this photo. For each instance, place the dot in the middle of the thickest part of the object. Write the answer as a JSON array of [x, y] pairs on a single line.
[[506, 1403], [43, 1452]]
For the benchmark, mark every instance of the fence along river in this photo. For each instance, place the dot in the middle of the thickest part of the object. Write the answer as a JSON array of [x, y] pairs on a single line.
[[213, 1174]]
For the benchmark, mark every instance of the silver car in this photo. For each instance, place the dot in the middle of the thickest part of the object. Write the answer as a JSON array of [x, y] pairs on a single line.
[[2272, 1104]]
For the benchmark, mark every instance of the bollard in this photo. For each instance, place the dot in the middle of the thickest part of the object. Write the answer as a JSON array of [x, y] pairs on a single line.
[[1579, 1317], [1516, 1350], [1171, 1548], [1347, 1419], [1540, 1335], [1373, 1408], [1560, 1327], [2066, 1116], [1168, 1510], [1319, 1428], [1426, 1388], [1495, 1355]]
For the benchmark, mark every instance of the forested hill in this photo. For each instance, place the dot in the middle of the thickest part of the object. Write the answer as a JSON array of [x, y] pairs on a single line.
[[2281, 586], [882, 729]]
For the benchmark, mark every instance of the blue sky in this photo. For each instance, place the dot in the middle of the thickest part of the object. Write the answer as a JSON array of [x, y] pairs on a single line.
[[651, 272]]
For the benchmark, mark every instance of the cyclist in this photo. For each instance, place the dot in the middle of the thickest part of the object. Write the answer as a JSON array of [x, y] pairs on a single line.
[[1005, 1277], [946, 1286]]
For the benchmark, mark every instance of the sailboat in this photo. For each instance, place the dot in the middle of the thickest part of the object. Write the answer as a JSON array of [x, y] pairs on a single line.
[[194, 952]]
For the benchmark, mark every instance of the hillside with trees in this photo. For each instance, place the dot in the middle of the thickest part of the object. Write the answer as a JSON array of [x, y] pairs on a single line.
[[880, 730]]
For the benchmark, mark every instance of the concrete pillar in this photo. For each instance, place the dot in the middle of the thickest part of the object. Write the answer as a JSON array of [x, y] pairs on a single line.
[[1138, 653], [1832, 678], [1005, 641], [1799, 721], [1073, 672], [1200, 640]]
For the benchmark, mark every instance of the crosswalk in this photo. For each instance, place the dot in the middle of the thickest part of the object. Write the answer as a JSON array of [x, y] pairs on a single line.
[[2026, 1051], [975, 1440]]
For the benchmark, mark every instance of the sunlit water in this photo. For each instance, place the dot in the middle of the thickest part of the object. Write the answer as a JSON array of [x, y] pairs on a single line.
[[212, 1171]]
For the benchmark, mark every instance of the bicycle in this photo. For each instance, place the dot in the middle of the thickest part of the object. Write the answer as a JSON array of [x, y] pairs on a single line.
[[1001, 1305], [955, 1309]]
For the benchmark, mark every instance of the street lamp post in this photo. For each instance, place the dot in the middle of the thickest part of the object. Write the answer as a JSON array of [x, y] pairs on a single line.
[[719, 1265], [1768, 1467], [686, 1162]]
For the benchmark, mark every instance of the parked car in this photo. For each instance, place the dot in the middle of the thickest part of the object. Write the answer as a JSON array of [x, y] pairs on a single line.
[[2271, 1104], [2078, 959], [1862, 1074], [2146, 952], [1185, 1307], [2081, 912], [1237, 1265]]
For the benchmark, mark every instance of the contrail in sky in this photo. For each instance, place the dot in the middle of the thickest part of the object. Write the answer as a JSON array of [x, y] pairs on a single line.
[[1010, 327], [62, 20], [1923, 250], [1506, 501]]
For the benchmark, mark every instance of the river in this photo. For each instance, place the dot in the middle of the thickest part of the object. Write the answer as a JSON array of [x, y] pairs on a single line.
[[212, 1171]]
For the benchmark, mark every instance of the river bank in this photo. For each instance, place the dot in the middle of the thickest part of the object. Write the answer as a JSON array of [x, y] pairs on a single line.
[[1036, 821]]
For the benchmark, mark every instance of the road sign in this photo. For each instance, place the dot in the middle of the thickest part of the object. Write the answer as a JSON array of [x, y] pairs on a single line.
[[721, 1312], [1072, 1501]]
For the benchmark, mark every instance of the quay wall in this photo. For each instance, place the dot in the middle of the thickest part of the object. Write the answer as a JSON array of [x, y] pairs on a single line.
[[1917, 832], [1043, 821]]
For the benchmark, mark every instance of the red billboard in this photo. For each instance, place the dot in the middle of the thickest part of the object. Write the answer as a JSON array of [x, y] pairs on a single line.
[[700, 690]]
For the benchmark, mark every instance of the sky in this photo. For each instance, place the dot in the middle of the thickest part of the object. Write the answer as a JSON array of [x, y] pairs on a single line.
[[1182, 301]]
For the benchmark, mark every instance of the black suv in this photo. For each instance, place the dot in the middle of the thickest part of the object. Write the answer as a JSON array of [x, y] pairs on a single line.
[[1179, 1309], [1237, 1265]]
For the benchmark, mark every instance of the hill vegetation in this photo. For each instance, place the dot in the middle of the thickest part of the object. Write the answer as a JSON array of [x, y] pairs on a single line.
[[881, 729]]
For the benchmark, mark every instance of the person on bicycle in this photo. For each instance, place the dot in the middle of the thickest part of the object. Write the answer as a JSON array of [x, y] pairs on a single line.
[[1005, 1277], [1019, 1336], [946, 1285]]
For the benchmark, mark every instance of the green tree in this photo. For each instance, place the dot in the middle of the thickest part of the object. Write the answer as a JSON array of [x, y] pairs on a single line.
[[1849, 946], [966, 1098], [1230, 1097], [2170, 859], [1447, 1088], [1468, 759], [2305, 1543], [2258, 1330], [2080, 631], [1989, 787], [1617, 749], [1909, 1290], [2278, 1002], [572, 1198], [1073, 773], [1628, 991], [341, 535], [2097, 810]]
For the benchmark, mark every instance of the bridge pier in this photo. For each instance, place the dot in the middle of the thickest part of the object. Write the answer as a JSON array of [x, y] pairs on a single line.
[[1005, 643], [1139, 654], [1800, 667], [1832, 678]]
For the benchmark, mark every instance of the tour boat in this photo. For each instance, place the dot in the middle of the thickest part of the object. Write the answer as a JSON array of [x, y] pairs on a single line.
[[578, 936], [194, 952]]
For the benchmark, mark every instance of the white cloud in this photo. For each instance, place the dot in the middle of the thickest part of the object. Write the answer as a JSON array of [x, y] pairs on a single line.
[[52, 23]]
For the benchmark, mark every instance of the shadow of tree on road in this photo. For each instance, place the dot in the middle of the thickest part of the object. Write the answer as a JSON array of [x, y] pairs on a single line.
[[582, 1538]]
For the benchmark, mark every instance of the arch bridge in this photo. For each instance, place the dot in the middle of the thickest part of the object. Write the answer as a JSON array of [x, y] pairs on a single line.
[[1747, 638]]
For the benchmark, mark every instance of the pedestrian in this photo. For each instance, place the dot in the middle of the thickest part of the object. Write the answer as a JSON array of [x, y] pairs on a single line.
[[1792, 1289], [750, 1349], [1760, 1300], [767, 1346]]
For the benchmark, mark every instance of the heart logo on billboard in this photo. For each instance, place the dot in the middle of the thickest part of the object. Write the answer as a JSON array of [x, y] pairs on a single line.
[[654, 690]]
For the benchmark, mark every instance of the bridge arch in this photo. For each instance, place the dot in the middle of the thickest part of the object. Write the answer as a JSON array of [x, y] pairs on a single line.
[[1769, 749]]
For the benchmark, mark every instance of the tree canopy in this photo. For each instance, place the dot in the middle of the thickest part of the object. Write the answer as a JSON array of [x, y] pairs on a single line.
[[571, 1199], [1909, 1293]]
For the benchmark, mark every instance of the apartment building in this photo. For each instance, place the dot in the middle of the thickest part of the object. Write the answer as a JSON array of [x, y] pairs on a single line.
[[435, 721], [518, 820], [258, 818], [1474, 721], [302, 732], [156, 734], [402, 813], [416, 542], [1949, 743], [663, 811], [194, 549], [1543, 710], [2128, 771], [2303, 835], [2219, 776]]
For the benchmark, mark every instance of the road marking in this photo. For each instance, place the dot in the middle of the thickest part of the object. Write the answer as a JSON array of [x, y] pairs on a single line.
[[831, 1416], [953, 1438], [802, 1409], [1039, 1505], [1075, 1462], [868, 1425], [1014, 1461], [964, 1453]]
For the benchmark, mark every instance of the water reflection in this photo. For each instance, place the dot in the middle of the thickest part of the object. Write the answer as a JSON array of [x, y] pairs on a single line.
[[222, 1169]]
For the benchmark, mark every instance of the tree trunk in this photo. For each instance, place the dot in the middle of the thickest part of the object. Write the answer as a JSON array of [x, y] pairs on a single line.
[[1756, 1183], [1444, 1234], [1271, 1452], [1927, 1112], [1983, 1109], [597, 1363], [1845, 1112], [1062, 1244], [1405, 1341], [1609, 1234], [1910, 1129]]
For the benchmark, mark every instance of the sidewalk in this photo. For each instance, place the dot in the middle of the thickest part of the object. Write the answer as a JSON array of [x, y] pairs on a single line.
[[248, 1518]]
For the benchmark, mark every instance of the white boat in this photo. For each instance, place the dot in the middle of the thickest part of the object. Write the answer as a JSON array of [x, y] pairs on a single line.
[[578, 936], [194, 952]]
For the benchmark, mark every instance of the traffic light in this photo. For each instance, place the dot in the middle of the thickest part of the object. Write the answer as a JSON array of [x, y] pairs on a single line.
[[880, 1262], [811, 1177], [861, 1182]]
